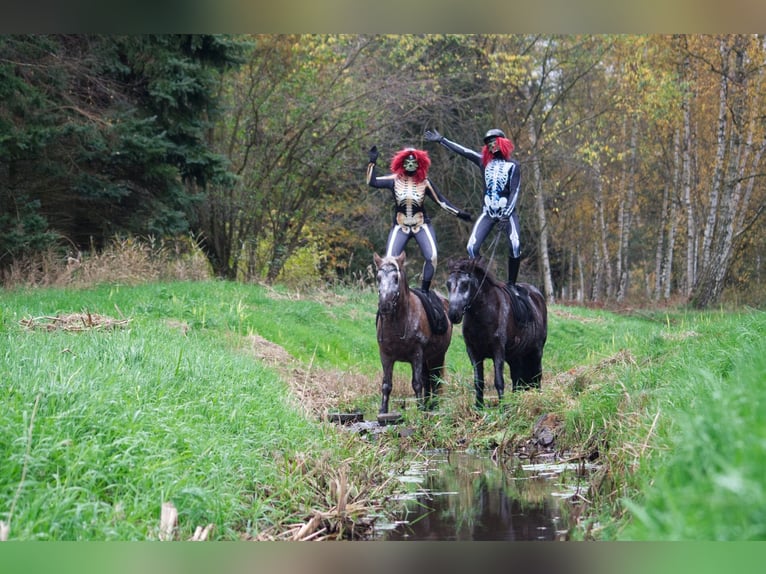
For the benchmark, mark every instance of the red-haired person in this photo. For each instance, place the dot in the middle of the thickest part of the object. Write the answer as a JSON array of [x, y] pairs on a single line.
[[409, 185], [502, 178]]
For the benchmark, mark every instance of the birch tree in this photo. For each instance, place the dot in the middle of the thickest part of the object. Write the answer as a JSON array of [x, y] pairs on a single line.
[[739, 139]]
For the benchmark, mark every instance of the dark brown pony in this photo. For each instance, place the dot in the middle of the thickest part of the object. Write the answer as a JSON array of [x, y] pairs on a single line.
[[405, 335], [502, 324]]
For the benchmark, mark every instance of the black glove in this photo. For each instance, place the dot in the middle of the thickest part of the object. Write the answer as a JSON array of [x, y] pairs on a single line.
[[433, 136], [373, 154], [465, 216]]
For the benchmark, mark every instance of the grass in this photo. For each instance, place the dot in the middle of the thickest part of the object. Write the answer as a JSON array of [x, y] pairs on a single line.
[[710, 483], [103, 426], [211, 396], [669, 418]]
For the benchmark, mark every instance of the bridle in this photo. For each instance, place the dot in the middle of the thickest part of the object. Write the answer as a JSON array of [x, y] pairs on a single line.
[[389, 268], [474, 281]]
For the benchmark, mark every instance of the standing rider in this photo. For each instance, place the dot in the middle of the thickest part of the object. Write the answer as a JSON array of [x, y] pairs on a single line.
[[410, 185], [502, 178]]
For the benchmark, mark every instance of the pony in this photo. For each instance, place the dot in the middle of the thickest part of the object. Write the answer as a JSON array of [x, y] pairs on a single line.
[[405, 333], [502, 323]]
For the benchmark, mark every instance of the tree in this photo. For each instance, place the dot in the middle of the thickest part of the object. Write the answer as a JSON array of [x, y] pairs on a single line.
[[739, 144], [558, 67], [101, 132], [295, 122], [303, 113]]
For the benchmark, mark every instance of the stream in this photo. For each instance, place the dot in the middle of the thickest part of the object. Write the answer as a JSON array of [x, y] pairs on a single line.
[[468, 496]]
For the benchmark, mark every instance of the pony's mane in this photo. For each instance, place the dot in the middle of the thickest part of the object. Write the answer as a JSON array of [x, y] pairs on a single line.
[[478, 268], [391, 261]]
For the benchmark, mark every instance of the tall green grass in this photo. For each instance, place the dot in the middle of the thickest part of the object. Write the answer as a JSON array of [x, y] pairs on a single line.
[[103, 426], [709, 483], [100, 427], [681, 425]]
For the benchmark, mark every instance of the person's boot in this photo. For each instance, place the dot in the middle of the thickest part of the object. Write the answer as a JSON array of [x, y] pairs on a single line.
[[425, 286], [513, 270]]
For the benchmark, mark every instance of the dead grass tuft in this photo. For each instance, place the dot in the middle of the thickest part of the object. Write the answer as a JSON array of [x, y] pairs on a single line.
[[347, 508], [85, 321], [564, 314], [581, 377]]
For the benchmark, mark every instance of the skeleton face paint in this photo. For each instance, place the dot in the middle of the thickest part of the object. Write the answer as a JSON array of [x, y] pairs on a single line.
[[492, 145], [410, 163]]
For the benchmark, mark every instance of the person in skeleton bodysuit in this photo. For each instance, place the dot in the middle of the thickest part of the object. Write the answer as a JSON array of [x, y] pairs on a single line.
[[410, 185], [502, 178]]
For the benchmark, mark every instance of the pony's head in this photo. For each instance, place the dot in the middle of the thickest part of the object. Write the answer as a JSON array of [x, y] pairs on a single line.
[[391, 280], [466, 278], [477, 267]]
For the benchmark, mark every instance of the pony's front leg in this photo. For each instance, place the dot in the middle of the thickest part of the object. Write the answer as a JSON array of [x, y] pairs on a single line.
[[478, 382], [417, 379], [385, 388], [499, 363]]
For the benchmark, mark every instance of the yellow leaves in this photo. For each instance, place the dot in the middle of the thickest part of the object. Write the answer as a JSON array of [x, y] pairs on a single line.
[[508, 69]]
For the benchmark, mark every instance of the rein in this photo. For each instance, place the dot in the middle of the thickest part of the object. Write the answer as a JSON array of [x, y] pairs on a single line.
[[493, 249]]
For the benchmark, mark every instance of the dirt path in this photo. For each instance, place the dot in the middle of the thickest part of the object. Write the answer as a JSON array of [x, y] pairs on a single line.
[[316, 391]]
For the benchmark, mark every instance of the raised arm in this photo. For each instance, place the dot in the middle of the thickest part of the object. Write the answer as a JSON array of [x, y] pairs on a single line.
[[372, 179], [435, 136]]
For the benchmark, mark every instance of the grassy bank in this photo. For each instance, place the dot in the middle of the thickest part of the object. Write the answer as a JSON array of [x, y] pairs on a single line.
[[154, 394], [210, 396], [707, 483]]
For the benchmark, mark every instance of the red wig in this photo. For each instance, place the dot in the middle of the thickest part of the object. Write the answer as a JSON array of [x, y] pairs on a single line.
[[503, 144], [424, 162]]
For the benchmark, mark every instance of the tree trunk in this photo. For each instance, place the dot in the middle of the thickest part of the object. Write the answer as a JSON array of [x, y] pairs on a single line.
[[537, 182], [686, 182], [732, 169], [720, 154], [666, 236], [626, 215], [602, 266], [667, 261]]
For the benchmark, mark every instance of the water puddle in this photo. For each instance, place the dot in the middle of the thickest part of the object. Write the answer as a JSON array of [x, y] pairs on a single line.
[[465, 496]]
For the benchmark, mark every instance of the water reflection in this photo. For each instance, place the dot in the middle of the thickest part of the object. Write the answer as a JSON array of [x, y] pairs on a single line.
[[464, 497]]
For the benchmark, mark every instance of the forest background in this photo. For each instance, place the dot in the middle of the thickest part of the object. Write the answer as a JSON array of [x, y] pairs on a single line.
[[641, 155]]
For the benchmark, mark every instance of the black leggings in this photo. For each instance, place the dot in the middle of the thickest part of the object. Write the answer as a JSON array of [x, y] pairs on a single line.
[[484, 225], [426, 240]]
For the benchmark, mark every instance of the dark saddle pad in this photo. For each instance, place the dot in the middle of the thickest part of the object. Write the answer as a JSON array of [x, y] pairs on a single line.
[[437, 318], [521, 304]]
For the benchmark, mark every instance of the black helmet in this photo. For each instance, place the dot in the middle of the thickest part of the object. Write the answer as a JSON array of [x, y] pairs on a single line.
[[493, 133]]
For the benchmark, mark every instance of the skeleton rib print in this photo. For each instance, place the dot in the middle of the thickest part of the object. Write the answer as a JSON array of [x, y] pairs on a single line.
[[496, 176]]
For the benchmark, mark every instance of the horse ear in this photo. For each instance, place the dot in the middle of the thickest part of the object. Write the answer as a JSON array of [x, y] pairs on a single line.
[[401, 258], [376, 258]]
